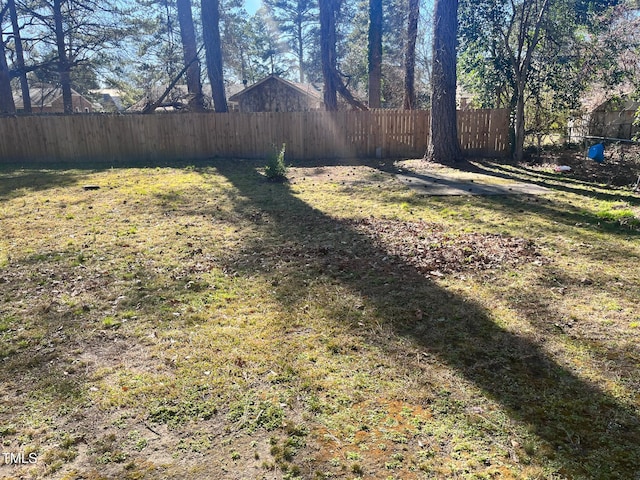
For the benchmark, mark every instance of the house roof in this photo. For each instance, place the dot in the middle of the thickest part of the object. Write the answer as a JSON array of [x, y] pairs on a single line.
[[42, 95], [110, 95], [307, 89], [598, 97], [618, 104], [233, 91]]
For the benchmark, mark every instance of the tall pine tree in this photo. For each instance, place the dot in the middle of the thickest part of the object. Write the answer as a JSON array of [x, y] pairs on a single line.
[[297, 21], [190, 55], [409, 100], [211, 33], [445, 145], [375, 53], [6, 97]]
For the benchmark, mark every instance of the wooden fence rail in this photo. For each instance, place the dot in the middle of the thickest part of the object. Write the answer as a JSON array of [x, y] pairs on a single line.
[[308, 135]]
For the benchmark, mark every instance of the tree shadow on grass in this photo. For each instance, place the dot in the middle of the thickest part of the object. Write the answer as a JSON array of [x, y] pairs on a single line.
[[578, 218], [13, 182], [593, 435], [574, 215], [550, 180]]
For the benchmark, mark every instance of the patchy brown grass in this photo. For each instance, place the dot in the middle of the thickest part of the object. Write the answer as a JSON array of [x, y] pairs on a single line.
[[202, 322]]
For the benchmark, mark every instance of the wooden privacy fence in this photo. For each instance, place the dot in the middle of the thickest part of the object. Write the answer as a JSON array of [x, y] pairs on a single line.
[[308, 135]]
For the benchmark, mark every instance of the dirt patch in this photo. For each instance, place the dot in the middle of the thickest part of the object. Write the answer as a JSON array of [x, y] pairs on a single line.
[[388, 431], [342, 174]]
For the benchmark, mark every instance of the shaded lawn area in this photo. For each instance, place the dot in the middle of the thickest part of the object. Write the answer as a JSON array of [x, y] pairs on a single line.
[[201, 322]]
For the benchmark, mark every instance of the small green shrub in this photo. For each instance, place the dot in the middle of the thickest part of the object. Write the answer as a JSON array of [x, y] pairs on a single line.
[[276, 169]]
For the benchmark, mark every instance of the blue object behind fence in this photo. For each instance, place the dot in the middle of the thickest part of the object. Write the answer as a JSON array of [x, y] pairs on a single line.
[[596, 152]]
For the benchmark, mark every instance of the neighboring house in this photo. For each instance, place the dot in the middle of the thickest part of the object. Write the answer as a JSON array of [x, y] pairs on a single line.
[[48, 99], [614, 119], [275, 94], [110, 99], [606, 114], [272, 94]]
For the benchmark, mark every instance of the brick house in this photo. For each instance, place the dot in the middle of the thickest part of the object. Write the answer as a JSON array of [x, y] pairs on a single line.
[[48, 99]]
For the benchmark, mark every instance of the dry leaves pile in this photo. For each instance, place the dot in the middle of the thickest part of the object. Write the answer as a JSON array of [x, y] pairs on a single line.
[[360, 245], [431, 250]]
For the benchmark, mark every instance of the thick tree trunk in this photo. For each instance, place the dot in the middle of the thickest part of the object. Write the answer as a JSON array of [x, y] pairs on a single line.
[[328, 52], [211, 34], [6, 96], [190, 55], [375, 53], [444, 146], [64, 66], [24, 84], [409, 102]]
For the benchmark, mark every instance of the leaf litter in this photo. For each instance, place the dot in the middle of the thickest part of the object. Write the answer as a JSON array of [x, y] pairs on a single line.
[[429, 247], [432, 250]]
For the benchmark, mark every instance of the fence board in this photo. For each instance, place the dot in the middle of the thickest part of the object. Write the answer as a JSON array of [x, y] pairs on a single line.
[[484, 132], [308, 135]]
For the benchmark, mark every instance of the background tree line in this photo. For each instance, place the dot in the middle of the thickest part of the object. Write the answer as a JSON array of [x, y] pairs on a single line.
[[535, 57], [144, 45]]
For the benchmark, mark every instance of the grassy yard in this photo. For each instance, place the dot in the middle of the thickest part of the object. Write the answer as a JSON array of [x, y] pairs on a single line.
[[201, 322]]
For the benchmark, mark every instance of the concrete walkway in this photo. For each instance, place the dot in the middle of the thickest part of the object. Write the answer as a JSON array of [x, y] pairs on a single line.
[[437, 184]]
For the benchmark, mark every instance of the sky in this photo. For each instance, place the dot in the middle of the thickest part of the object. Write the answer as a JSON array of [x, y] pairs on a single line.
[[252, 5]]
